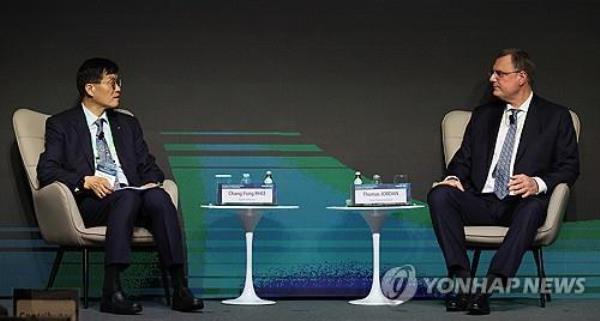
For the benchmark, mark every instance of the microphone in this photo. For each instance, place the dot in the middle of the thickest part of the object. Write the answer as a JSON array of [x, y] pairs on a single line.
[[100, 135], [512, 118]]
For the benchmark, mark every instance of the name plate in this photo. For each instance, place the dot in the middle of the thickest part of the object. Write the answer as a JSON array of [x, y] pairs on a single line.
[[33, 304], [381, 194], [246, 194]]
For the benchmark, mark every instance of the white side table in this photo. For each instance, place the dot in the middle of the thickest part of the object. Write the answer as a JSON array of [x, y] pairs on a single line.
[[249, 217], [375, 216]]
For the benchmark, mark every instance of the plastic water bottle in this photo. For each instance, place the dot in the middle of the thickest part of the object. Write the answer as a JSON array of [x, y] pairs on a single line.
[[268, 178], [220, 180], [246, 179], [357, 178], [376, 179]]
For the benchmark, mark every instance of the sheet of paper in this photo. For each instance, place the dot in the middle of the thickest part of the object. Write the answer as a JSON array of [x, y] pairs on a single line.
[[138, 188]]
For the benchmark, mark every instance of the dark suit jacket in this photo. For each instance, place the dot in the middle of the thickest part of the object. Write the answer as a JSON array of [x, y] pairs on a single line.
[[547, 149], [68, 154]]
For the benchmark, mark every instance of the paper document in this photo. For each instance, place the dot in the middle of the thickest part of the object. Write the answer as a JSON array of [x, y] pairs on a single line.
[[138, 188]]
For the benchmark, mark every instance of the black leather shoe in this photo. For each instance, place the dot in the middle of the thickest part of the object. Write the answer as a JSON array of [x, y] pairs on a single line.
[[479, 304], [456, 302], [117, 303], [3, 311], [184, 301]]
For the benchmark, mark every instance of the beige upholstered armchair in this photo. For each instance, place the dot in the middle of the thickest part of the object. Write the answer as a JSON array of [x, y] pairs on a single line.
[[58, 217], [480, 238]]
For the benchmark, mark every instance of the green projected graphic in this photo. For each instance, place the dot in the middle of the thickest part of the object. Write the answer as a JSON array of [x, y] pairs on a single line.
[[313, 251], [241, 148], [307, 252]]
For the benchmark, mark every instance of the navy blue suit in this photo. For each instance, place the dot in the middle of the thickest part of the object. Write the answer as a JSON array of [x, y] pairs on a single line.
[[547, 149], [68, 158]]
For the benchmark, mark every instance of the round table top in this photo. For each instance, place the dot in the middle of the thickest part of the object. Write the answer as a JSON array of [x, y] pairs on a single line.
[[250, 207], [374, 208]]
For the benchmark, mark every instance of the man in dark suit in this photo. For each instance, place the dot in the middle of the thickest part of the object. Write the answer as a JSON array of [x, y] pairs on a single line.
[[514, 152], [95, 151]]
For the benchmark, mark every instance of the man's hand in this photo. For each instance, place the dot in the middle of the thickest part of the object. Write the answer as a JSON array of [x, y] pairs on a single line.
[[523, 185], [451, 182], [99, 185]]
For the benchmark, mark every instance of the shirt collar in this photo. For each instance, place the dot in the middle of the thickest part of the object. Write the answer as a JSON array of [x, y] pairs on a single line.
[[524, 106], [90, 118]]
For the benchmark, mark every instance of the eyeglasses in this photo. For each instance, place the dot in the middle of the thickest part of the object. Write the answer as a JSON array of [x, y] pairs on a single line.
[[113, 82], [502, 74]]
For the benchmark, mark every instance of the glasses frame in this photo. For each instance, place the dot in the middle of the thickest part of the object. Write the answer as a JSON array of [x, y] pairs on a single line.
[[112, 83], [502, 74]]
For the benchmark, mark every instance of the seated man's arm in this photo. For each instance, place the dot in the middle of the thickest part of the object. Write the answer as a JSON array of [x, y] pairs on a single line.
[[459, 168], [50, 167], [565, 168], [146, 163]]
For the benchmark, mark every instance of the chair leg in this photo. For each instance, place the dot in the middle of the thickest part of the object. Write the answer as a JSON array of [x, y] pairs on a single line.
[[85, 265], [548, 298], [166, 285], [537, 255], [55, 267], [475, 262]]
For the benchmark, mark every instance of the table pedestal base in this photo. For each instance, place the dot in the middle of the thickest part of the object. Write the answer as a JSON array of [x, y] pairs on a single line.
[[248, 296], [375, 216], [249, 217], [376, 296]]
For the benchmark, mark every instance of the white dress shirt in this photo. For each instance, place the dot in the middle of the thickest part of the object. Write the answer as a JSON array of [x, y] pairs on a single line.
[[504, 125], [90, 120]]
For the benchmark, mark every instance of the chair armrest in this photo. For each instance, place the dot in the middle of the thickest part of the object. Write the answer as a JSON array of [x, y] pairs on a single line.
[[57, 214], [557, 207], [171, 188]]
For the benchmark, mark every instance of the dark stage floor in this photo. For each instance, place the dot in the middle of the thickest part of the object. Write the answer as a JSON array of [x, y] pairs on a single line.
[[313, 310]]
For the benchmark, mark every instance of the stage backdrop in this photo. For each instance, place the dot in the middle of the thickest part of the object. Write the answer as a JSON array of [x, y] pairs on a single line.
[[311, 90]]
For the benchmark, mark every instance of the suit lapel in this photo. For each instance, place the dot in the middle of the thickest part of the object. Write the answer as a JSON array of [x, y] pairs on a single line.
[[493, 126], [530, 128], [117, 136], [82, 129], [115, 129]]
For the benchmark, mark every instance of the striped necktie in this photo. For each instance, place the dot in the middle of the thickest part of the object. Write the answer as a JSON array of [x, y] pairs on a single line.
[[105, 159], [501, 173]]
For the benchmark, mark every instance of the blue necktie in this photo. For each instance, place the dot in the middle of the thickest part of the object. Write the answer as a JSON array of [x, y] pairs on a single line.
[[105, 160], [501, 173]]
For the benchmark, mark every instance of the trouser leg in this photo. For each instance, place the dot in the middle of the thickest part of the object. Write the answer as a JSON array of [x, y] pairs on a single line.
[[523, 221], [118, 212], [450, 210], [161, 215]]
